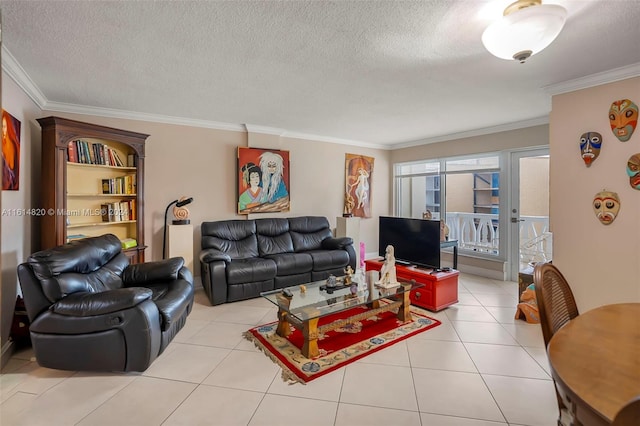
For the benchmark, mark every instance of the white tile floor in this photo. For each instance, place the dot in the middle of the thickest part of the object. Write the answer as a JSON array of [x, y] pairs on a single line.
[[480, 367]]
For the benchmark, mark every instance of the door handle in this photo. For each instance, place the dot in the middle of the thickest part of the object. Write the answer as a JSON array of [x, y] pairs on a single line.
[[516, 220]]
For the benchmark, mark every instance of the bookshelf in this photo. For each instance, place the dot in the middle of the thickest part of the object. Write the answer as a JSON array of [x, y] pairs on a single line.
[[486, 192], [93, 183]]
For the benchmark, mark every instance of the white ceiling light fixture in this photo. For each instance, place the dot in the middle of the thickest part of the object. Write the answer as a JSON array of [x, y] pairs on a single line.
[[526, 28]]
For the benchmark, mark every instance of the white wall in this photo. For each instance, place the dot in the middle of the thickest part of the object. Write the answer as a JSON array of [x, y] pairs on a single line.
[[601, 262], [18, 231]]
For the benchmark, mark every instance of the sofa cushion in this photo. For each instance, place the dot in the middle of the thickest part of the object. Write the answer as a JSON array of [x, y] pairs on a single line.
[[250, 270], [237, 238], [273, 236], [292, 263], [308, 232], [328, 259]]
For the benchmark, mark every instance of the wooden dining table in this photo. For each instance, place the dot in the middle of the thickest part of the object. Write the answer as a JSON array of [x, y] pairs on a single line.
[[595, 360]]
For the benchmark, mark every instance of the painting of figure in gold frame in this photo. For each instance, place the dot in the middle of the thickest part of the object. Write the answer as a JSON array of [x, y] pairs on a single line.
[[358, 177]]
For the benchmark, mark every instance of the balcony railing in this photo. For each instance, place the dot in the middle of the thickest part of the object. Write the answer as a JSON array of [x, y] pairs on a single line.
[[479, 232]]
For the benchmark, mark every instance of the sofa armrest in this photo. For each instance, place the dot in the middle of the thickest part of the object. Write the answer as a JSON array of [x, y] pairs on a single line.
[[140, 274], [337, 243], [214, 280], [210, 255], [91, 304]]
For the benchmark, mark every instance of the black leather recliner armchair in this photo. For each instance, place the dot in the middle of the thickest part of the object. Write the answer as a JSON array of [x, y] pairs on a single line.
[[90, 310]]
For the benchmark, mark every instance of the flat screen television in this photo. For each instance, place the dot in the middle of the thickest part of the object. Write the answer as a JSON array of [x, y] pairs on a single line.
[[415, 241]]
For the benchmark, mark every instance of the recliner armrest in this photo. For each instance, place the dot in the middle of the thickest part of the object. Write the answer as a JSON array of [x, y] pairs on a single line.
[[210, 255], [336, 243], [141, 274], [90, 304]]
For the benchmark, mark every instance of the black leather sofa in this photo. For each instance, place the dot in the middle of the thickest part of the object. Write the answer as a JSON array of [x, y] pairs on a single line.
[[90, 310], [241, 258]]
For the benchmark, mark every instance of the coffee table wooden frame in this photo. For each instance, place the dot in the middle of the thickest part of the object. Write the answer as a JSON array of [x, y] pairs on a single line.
[[311, 331]]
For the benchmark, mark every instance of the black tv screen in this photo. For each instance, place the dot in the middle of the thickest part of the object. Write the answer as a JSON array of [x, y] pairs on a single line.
[[415, 241]]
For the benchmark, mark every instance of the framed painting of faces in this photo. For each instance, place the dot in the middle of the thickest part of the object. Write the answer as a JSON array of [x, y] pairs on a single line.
[[263, 180], [357, 197]]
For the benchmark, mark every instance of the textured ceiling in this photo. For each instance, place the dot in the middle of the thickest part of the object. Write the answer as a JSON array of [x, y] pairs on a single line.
[[377, 72]]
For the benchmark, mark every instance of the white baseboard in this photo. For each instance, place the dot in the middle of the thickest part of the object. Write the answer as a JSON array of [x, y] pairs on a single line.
[[7, 352], [483, 272]]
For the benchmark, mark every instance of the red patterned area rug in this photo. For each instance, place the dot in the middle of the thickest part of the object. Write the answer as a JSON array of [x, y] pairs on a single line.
[[338, 347]]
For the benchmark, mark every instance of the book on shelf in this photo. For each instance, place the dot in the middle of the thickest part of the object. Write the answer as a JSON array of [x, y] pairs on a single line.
[[81, 151], [119, 162], [92, 154], [84, 148], [74, 237], [124, 210], [106, 212], [128, 243], [132, 209], [72, 152]]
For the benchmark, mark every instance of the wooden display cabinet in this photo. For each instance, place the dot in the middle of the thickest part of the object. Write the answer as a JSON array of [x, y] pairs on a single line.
[[75, 201], [440, 288]]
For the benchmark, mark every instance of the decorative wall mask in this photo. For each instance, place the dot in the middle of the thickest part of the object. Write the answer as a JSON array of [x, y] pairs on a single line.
[[606, 206], [623, 117], [590, 144], [633, 170]]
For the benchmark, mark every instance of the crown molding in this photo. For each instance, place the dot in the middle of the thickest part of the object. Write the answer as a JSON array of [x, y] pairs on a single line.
[[616, 74], [133, 115], [476, 132], [22, 79], [307, 136], [252, 128]]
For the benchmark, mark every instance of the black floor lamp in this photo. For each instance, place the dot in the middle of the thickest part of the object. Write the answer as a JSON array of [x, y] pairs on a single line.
[[178, 203]]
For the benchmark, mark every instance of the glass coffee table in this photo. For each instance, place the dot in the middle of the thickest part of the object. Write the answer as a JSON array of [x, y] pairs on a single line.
[[304, 308]]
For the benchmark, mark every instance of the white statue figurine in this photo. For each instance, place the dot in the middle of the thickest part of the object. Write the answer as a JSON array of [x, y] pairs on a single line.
[[388, 272]]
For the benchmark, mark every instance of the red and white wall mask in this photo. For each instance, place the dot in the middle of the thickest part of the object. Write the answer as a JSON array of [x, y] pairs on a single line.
[[623, 118], [590, 144], [606, 205], [633, 170]]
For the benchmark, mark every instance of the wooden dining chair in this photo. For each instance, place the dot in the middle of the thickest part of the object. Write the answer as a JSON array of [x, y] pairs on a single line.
[[629, 415], [556, 307], [556, 304]]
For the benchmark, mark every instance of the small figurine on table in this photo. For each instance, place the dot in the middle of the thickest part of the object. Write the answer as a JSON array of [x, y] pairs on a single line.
[[348, 272], [388, 272]]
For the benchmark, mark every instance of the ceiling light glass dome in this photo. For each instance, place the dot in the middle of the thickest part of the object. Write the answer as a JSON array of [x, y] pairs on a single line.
[[526, 28]]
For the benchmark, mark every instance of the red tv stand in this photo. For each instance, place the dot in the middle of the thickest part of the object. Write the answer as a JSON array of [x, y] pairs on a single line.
[[440, 289]]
